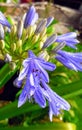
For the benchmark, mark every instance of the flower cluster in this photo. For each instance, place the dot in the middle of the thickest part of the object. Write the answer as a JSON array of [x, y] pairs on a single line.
[[28, 45]]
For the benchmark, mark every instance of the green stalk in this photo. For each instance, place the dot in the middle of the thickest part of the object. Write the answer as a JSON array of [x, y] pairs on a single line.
[[5, 74]]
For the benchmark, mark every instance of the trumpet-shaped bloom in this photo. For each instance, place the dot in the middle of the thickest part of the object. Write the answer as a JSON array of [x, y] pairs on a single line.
[[69, 38], [70, 60], [3, 20], [36, 88], [40, 92], [31, 17]]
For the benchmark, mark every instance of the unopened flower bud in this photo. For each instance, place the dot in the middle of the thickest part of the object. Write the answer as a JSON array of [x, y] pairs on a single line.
[[43, 33], [20, 28], [1, 32], [50, 41], [2, 44], [49, 21], [12, 65], [19, 43], [41, 26], [30, 31], [8, 58], [13, 30], [44, 38], [35, 38], [41, 44], [44, 55], [59, 47], [13, 46]]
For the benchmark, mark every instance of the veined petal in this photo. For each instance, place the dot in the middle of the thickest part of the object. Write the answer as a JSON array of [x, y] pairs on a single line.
[[70, 60], [65, 62], [22, 97], [68, 35], [39, 98], [47, 65]]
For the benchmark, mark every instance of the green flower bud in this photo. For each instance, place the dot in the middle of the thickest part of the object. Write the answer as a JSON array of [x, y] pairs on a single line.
[[30, 31], [12, 65], [13, 46], [35, 38], [19, 45], [13, 30], [44, 55], [2, 44], [42, 34], [44, 38], [41, 44]]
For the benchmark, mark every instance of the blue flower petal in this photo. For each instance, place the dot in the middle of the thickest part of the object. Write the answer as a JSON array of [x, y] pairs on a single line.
[[69, 39], [22, 97], [39, 98], [70, 60], [47, 65]]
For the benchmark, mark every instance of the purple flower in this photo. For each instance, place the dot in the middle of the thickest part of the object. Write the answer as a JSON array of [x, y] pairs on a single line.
[[70, 60], [40, 92], [3, 20], [35, 88], [69, 38], [31, 17]]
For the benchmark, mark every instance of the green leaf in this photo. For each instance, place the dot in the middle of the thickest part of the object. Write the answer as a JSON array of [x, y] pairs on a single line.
[[11, 110], [50, 126], [70, 90]]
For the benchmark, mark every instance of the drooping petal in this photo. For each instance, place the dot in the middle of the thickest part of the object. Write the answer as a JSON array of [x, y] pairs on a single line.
[[70, 60], [69, 38], [22, 97], [39, 98], [56, 103]]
